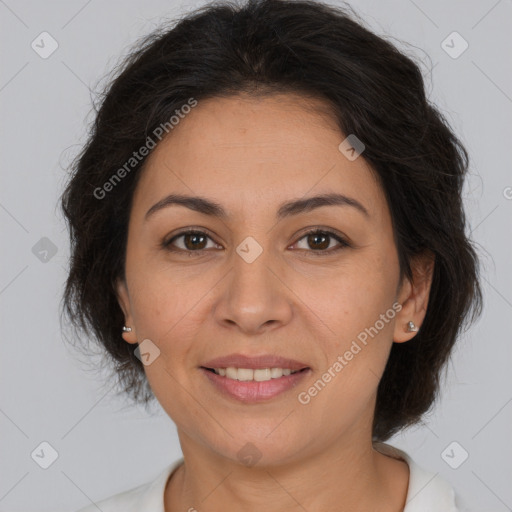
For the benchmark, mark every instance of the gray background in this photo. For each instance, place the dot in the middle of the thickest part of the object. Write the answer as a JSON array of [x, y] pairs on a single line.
[[46, 392]]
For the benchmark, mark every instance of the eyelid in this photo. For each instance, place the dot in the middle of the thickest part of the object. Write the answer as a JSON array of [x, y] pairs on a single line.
[[332, 233], [322, 229], [186, 231]]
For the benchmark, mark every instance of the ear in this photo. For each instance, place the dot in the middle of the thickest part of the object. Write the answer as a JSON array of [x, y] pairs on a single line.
[[124, 302], [413, 296]]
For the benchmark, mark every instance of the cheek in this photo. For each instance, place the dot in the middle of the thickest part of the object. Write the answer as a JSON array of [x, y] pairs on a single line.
[[355, 357], [169, 310], [353, 296], [161, 295], [355, 321]]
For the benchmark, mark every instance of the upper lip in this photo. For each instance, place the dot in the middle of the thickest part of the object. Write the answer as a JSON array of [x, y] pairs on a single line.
[[254, 362]]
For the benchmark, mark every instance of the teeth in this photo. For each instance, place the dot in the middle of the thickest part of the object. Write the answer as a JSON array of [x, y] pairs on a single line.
[[231, 373], [275, 373], [248, 374], [245, 374]]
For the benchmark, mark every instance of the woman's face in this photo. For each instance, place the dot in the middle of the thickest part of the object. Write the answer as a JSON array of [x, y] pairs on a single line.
[[254, 283]]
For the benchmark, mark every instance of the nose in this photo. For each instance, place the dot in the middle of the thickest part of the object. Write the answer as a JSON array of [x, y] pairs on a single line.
[[254, 297]]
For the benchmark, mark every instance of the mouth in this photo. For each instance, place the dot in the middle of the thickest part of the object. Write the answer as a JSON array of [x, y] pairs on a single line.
[[253, 379], [253, 374], [253, 385]]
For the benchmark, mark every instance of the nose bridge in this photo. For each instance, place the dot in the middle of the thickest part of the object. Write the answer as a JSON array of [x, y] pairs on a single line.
[[251, 280], [254, 296], [251, 267]]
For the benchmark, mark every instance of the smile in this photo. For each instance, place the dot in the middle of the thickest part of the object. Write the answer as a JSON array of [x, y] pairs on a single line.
[[248, 374], [249, 385]]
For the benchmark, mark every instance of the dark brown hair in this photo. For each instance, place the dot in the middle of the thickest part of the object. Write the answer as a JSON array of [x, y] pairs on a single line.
[[373, 90]]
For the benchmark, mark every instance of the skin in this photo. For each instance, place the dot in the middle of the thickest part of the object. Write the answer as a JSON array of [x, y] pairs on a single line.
[[250, 155]]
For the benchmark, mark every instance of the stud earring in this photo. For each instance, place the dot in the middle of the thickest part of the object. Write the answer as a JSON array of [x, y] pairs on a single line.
[[127, 329], [411, 327]]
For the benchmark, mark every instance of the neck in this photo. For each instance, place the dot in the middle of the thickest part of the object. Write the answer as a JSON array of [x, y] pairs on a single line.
[[348, 476]]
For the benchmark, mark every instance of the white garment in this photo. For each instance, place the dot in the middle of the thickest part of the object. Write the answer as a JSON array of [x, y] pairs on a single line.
[[427, 492]]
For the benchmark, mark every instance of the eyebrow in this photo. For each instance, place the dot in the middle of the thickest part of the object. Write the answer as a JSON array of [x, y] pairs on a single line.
[[287, 209]]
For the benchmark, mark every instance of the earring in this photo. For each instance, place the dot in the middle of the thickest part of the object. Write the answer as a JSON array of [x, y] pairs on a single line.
[[127, 329], [411, 327]]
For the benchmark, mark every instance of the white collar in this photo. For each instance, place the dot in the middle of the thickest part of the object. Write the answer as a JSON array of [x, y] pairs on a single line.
[[427, 492]]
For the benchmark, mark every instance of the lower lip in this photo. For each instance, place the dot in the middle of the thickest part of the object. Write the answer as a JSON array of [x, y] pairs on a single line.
[[252, 391]]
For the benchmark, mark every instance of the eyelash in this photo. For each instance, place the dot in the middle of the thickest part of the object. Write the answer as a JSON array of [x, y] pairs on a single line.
[[315, 231]]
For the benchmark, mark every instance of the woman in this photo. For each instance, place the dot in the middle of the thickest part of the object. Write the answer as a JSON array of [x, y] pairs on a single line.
[[268, 237]]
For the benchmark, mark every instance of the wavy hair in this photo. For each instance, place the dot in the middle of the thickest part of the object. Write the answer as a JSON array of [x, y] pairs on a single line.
[[372, 90]]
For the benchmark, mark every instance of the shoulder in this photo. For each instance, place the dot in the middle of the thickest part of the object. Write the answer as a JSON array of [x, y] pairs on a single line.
[[127, 500], [148, 496], [427, 491]]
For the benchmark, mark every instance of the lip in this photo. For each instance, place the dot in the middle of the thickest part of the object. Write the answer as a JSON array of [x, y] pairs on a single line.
[[254, 362], [250, 392]]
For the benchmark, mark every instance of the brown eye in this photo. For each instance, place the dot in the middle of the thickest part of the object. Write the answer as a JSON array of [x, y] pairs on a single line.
[[193, 241], [319, 241]]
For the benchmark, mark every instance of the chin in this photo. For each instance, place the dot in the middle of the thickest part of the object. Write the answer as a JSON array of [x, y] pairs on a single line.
[[263, 447]]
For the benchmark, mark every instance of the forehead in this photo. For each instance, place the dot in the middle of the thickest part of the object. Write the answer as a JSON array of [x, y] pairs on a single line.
[[255, 152]]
